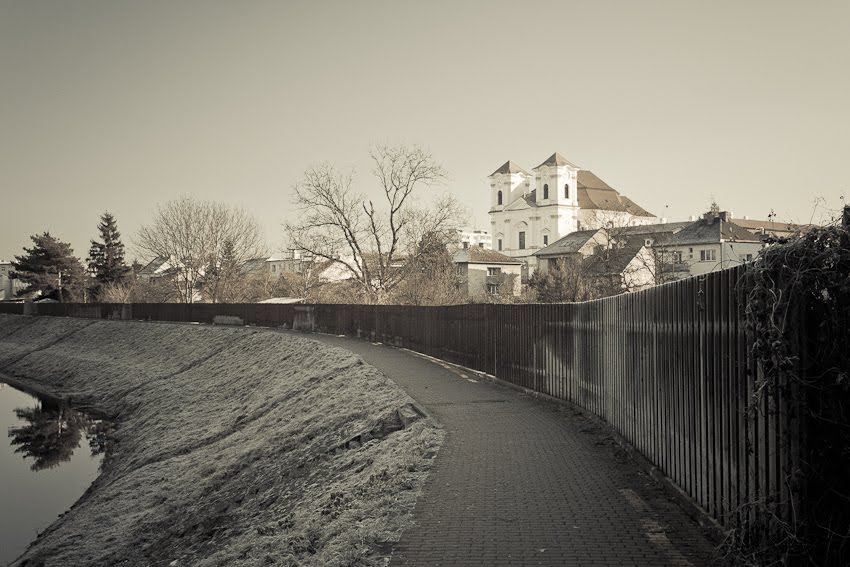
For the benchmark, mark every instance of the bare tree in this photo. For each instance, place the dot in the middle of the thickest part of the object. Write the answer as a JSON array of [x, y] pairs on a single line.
[[370, 240], [203, 242], [430, 273]]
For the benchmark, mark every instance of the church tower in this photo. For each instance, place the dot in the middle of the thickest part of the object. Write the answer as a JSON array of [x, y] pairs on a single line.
[[507, 184], [556, 195]]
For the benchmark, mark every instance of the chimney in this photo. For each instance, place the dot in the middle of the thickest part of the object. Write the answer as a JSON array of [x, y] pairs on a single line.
[[726, 216]]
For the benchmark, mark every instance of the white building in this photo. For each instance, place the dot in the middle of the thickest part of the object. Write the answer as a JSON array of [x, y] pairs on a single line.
[[713, 242], [474, 237], [564, 198], [8, 286]]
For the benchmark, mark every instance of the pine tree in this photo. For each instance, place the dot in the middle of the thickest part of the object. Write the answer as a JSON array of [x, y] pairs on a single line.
[[50, 269], [106, 259]]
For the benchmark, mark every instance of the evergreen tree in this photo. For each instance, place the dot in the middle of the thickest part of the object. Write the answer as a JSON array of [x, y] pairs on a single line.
[[106, 259], [50, 269]]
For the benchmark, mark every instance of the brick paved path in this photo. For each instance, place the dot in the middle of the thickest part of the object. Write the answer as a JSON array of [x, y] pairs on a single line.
[[519, 481]]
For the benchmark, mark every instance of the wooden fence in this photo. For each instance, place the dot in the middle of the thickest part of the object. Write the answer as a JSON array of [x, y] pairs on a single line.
[[668, 368]]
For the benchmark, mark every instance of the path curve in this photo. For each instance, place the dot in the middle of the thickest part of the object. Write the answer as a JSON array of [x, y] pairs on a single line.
[[519, 481]]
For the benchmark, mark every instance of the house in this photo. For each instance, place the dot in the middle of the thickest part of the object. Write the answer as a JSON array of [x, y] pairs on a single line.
[[155, 269], [9, 286], [293, 261], [713, 242], [167, 269], [564, 199], [626, 268], [576, 245], [482, 272]]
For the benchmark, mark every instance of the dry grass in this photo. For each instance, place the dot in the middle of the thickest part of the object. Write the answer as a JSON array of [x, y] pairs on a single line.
[[223, 444]]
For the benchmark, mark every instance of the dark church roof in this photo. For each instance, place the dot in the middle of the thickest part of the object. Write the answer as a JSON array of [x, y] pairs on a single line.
[[557, 159], [509, 167], [593, 193]]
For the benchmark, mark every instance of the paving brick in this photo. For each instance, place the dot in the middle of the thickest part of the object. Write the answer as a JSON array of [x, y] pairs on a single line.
[[524, 482]]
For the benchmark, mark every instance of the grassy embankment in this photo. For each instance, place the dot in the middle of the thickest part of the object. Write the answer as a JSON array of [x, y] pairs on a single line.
[[231, 446]]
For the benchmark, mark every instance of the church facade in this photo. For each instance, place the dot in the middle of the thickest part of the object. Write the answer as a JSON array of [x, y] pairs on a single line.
[[530, 210]]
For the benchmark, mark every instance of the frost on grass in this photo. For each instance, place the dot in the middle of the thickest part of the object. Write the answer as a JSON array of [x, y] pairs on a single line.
[[229, 447]]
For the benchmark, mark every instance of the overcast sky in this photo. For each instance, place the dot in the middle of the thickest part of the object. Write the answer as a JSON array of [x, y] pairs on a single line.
[[118, 105]]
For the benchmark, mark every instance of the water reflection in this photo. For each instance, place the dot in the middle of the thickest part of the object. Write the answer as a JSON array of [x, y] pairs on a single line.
[[52, 432], [51, 454]]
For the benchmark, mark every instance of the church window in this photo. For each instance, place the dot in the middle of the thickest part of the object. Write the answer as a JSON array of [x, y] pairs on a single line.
[[522, 240], [500, 244], [566, 190], [545, 190], [499, 198], [545, 239]]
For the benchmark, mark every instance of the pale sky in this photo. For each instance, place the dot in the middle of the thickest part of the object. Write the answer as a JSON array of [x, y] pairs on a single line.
[[119, 105]]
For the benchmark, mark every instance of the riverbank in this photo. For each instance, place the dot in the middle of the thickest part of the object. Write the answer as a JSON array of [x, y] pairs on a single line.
[[231, 445]]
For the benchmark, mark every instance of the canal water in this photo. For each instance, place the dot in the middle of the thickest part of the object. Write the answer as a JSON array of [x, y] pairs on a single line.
[[49, 455]]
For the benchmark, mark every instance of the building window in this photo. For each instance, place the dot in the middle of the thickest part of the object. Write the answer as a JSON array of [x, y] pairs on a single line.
[[492, 288], [460, 269], [545, 190], [748, 258], [545, 239], [566, 190], [522, 240], [500, 244], [677, 257], [499, 198], [494, 271], [707, 255]]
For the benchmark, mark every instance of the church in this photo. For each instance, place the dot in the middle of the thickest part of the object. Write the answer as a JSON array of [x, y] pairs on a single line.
[[529, 211]]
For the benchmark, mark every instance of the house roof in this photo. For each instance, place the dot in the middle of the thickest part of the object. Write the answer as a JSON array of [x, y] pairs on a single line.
[[509, 167], [569, 244], [557, 159], [153, 266], [655, 228], [770, 226], [479, 255], [711, 231], [613, 261]]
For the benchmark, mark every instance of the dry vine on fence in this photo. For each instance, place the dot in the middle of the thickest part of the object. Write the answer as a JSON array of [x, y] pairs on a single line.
[[798, 310]]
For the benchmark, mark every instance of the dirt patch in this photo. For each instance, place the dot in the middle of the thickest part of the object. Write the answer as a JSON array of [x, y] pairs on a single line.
[[231, 446]]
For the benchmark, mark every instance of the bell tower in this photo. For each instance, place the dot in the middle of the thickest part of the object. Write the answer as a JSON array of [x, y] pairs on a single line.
[[506, 184], [556, 182]]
